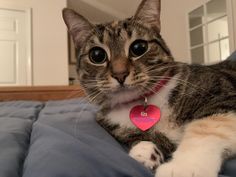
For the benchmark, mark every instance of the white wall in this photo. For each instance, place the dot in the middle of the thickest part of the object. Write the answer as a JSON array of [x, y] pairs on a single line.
[[49, 40], [50, 43], [175, 26]]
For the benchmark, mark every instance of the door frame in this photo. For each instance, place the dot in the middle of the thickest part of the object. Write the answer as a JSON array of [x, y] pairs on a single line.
[[29, 47], [231, 21]]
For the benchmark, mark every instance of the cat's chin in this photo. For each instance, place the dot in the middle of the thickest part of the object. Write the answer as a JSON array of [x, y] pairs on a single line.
[[124, 95], [121, 89]]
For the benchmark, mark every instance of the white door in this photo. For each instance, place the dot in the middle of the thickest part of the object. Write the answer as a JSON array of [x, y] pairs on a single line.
[[15, 58]]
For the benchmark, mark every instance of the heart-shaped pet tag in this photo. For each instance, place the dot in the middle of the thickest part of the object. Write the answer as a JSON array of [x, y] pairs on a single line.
[[143, 118]]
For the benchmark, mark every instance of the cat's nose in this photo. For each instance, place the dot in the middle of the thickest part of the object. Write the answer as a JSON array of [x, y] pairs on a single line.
[[120, 77]]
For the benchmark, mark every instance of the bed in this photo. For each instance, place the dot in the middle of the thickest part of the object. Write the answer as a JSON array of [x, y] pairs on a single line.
[[60, 137]]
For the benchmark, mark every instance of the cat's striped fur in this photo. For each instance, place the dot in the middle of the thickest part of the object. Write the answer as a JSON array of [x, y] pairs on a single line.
[[197, 130]]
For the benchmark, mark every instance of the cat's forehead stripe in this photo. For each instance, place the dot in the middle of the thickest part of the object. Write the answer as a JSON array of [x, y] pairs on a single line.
[[99, 31]]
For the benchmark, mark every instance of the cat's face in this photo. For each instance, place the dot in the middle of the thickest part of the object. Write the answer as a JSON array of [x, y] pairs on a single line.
[[123, 58]]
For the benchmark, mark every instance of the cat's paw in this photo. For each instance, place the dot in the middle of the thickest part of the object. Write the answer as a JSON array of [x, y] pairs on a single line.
[[148, 154], [184, 169]]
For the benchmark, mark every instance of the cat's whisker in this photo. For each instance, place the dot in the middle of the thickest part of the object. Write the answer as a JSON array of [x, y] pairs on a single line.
[[173, 88], [155, 70], [92, 99], [145, 89], [183, 82], [95, 80], [183, 93], [169, 65], [87, 97], [81, 111], [155, 66], [79, 93], [167, 78], [89, 86]]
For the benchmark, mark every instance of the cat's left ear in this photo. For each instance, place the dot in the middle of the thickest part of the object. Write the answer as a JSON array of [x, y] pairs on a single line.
[[149, 14], [78, 26]]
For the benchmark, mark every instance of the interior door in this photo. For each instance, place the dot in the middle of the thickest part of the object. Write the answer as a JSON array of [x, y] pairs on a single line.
[[14, 48]]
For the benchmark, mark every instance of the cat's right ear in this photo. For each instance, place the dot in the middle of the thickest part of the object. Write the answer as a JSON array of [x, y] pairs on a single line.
[[79, 27]]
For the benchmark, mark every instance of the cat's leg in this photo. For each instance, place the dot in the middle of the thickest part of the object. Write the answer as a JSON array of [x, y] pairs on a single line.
[[147, 153], [140, 144], [151, 153], [205, 144]]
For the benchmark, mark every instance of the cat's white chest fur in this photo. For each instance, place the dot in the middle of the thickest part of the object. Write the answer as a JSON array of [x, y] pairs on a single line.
[[120, 115]]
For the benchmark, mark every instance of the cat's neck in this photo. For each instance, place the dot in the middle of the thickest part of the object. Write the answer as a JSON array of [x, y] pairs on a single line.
[[120, 115]]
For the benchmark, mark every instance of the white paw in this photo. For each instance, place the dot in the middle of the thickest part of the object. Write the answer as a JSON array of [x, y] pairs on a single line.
[[185, 169], [147, 153]]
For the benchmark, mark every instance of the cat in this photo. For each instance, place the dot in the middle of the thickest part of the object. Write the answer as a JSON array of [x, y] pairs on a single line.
[[126, 63]]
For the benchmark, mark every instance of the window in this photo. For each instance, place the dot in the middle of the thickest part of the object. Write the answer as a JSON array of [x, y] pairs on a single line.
[[209, 33]]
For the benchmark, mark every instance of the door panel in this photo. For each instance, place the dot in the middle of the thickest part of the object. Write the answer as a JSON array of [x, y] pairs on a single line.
[[13, 47], [7, 24], [8, 62]]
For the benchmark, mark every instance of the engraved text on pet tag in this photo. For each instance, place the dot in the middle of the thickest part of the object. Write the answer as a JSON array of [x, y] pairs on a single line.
[[145, 116]]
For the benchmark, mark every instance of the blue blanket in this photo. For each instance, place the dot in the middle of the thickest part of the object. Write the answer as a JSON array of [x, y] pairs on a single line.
[[62, 139]]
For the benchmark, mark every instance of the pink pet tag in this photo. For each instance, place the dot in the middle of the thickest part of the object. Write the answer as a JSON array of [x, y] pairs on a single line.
[[145, 116]]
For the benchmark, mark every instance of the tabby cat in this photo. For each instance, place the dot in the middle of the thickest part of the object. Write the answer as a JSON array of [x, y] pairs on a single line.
[[122, 62]]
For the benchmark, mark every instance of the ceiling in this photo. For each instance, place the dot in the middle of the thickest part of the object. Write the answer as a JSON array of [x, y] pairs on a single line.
[[104, 10]]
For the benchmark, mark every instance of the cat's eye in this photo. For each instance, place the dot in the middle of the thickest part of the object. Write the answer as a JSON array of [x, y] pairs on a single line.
[[97, 55], [138, 48]]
